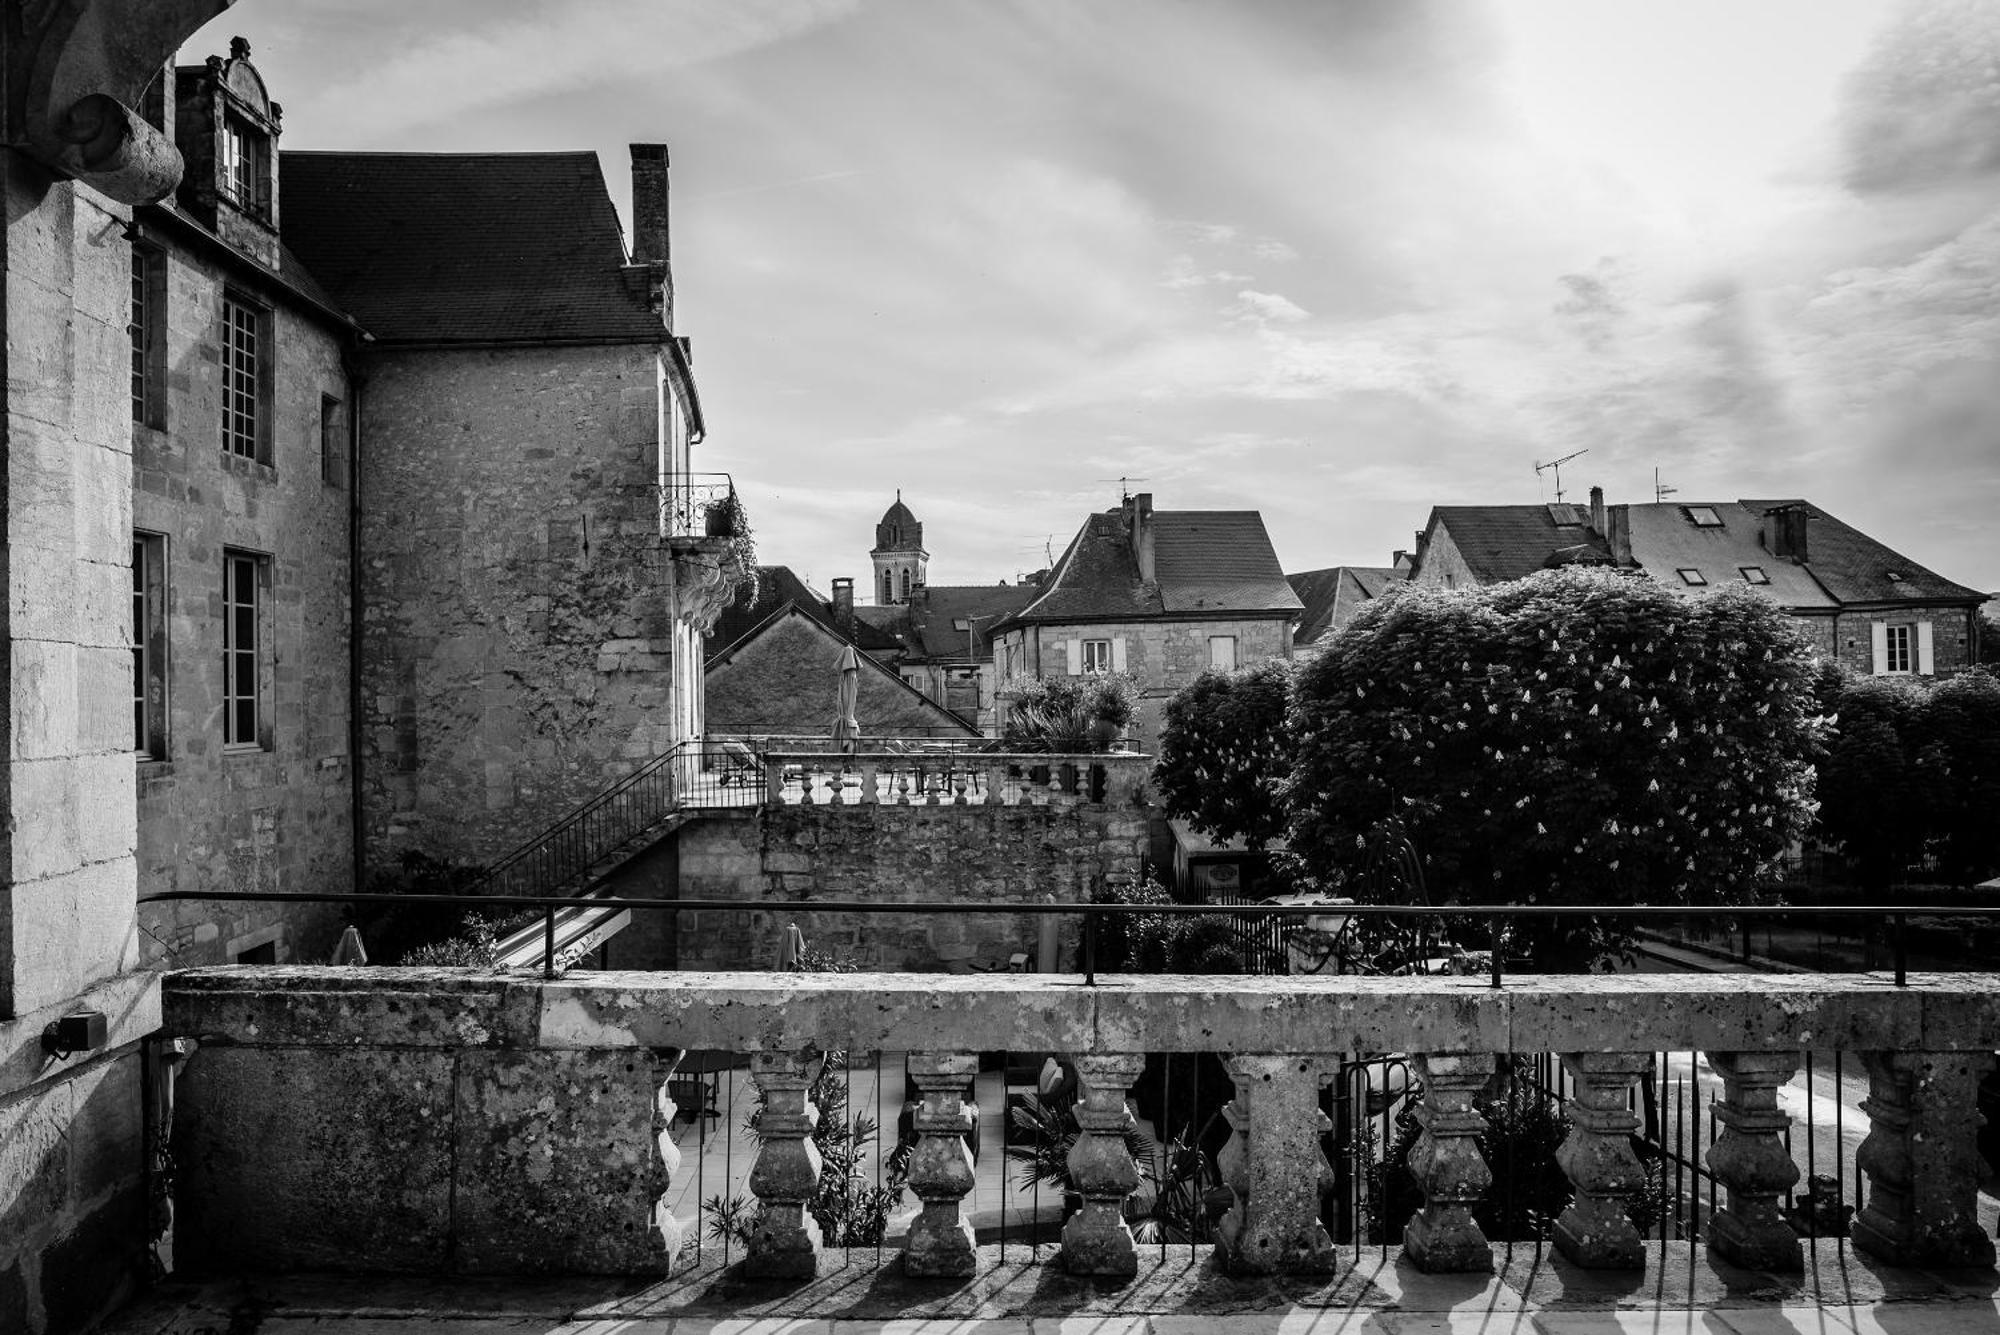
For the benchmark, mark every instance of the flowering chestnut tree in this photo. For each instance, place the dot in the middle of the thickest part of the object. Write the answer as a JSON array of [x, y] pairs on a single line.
[[1578, 736], [1225, 755]]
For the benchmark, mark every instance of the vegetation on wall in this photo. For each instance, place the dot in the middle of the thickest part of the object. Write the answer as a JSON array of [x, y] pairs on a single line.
[[1068, 714]]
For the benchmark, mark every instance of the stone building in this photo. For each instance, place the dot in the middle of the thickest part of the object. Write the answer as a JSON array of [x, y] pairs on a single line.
[[242, 539], [526, 418], [901, 563], [1858, 601], [1162, 595]]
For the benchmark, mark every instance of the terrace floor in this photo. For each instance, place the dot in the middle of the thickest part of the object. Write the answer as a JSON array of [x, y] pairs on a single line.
[[1683, 1290]]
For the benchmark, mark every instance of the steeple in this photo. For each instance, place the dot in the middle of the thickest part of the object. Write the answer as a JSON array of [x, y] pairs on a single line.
[[901, 562]]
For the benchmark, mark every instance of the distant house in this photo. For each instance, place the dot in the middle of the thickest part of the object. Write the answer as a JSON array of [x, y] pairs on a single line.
[[1862, 603], [1163, 595], [944, 642], [1333, 596], [772, 669]]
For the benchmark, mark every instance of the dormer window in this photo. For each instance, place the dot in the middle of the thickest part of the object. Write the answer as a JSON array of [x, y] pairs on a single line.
[[245, 170], [1702, 516]]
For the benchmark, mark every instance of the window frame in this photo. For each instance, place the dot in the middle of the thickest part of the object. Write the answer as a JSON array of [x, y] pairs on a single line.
[[243, 165], [332, 441], [243, 313], [1215, 640], [1694, 515], [1907, 632], [149, 646], [147, 330], [243, 665], [1096, 656], [1754, 574], [1691, 577]]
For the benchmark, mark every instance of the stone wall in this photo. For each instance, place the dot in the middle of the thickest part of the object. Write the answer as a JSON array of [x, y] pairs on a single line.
[[1164, 655], [70, 1208], [516, 633], [1952, 636], [783, 682], [232, 818], [778, 860]]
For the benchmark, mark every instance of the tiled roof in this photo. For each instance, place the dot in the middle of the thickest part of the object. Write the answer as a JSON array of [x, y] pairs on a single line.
[[1665, 542], [1332, 596], [467, 247], [1855, 568], [1209, 560], [1502, 542], [1205, 561], [938, 608], [777, 588]]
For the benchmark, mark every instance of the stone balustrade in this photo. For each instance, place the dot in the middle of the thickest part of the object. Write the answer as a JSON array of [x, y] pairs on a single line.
[[403, 1119], [952, 778]]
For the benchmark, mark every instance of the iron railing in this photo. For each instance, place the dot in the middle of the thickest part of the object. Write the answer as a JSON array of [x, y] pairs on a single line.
[[687, 501]]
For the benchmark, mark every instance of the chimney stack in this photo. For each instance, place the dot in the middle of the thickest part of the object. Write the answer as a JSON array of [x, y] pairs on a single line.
[[1785, 528], [1618, 536], [650, 241], [1139, 528], [843, 605], [1597, 512]]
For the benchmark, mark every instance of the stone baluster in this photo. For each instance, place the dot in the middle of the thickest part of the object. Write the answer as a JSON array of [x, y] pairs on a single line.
[[1752, 1163], [870, 783], [902, 785], [1922, 1159], [996, 785], [785, 1242], [774, 780], [960, 775], [671, 1230], [1443, 1237], [1097, 1240], [1595, 1231], [1274, 1167], [940, 1240]]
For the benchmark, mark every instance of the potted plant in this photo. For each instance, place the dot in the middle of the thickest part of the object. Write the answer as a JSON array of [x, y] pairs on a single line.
[[1110, 701], [725, 516]]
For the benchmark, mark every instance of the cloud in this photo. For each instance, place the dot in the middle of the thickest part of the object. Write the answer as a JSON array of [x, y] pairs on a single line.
[[1260, 308], [1924, 106]]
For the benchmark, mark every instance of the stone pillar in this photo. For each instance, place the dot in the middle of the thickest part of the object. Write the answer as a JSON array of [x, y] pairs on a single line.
[[1097, 1240], [940, 1240], [785, 1243], [1443, 1237], [871, 779], [1274, 1167], [1922, 1159], [1595, 1231], [1752, 1163]]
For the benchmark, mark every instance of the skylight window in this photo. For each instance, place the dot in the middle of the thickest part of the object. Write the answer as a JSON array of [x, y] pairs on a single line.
[[1754, 575], [1689, 575], [1895, 576], [1702, 516], [961, 623]]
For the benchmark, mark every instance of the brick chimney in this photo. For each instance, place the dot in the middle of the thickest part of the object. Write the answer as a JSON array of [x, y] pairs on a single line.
[[1785, 533], [650, 241], [843, 605], [1139, 529], [1597, 512], [1618, 528]]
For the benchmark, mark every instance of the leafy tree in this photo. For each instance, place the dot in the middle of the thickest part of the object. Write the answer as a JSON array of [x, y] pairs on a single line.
[[1225, 753], [1961, 727], [1579, 736]]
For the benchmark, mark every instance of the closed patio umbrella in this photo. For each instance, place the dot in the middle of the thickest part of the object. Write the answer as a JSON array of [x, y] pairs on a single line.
[[845, 728]]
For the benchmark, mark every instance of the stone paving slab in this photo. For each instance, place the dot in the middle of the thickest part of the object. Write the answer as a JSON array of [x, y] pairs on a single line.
[[1376, 1293]]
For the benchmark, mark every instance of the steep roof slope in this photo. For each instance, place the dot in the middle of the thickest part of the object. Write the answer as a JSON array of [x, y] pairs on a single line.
[[778, 588], [1855, 568], [1664, 542], [1204, 561], [1502, 542], [1332, 596], [467, 247]]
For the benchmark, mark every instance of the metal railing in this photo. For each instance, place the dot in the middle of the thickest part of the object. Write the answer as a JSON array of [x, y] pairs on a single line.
[[687, 499]]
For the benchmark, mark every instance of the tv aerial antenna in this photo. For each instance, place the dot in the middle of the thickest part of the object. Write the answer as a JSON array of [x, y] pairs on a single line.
[[1557, 464], [1660, 489], [1124, 490]]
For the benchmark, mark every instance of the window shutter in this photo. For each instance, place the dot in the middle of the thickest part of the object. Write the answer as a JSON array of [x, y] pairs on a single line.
[[1926, 665], [1118, 654], [1075, 654], [1878, 634]]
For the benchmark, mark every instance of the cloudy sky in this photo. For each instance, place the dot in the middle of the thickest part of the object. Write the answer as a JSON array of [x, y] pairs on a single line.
[[1335, 260]]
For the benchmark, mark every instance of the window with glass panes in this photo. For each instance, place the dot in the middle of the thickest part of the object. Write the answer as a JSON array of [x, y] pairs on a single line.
[[244, 152], [149, 646], [148, 335], [241, 348], [141, 329], [1899, 651], [241, 657]]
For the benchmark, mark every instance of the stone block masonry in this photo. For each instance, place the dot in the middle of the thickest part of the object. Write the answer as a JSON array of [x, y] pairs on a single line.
[[779, 860], [515, 629]]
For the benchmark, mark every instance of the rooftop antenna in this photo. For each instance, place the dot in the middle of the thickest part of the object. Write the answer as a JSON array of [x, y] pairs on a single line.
[[1557, 465], [1660, 489], [1124, 491]]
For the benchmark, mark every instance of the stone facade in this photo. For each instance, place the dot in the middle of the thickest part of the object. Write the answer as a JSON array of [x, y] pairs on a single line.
[[517, 637], [783, 681], [277, 814], [1954, 635], [780, 859], [1164, 654]]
